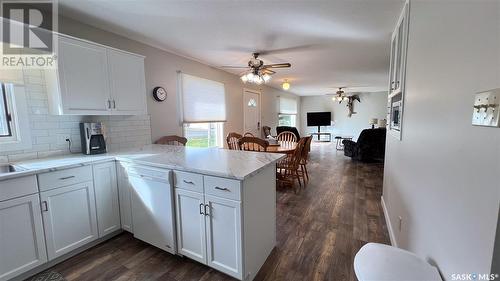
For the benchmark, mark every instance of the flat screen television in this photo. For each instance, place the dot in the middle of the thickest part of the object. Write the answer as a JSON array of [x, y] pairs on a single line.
[[319, 118]]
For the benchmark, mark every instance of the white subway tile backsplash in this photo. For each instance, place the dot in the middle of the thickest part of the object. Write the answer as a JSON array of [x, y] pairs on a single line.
[[48, 132]]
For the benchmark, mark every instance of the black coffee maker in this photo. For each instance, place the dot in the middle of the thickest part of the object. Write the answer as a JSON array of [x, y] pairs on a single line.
[[92, 136]]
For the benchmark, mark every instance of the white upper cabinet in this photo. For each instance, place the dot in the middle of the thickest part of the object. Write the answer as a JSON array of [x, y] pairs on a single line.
[[106, 196], [92, 79], [127, 83], [83, 74], [399, 41], [22, 243]]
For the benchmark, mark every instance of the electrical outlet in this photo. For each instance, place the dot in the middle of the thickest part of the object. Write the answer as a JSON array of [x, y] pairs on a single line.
[[63, 138], [400, 223]]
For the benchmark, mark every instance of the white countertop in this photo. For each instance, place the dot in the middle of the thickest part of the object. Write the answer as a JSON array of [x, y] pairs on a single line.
[[208, 161]]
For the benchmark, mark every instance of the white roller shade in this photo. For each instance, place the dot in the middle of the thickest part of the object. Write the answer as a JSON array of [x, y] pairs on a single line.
[[288, 106], [203, 100]]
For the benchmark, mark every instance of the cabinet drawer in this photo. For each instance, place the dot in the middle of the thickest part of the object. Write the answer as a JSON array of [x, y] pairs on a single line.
[[18, 187], [225, 188], [188, 181], [66, 177]]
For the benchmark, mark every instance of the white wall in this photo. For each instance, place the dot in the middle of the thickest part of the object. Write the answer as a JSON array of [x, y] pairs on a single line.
[[49, 132], [161, 70], [443, 178], [372, 105]]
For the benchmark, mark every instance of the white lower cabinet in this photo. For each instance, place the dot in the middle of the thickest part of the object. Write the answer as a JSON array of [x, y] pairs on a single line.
[[190, 216], [69, 217], [209, 229], [124, 189], [106, 196], [22, 243], [223, 231], [152, 208]]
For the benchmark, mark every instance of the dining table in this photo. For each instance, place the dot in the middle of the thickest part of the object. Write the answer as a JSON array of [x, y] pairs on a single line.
[[282, 147]]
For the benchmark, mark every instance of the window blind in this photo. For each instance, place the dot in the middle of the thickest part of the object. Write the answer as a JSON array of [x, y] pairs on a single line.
[[203, 100], [288, 105]]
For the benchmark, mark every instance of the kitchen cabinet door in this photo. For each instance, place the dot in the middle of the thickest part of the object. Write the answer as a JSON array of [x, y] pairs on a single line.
[[106, 196], [69, 217], [128, 90], [191, 240], [22, 244], [83, 77], [124, 198], [152, 211], [223, 231]]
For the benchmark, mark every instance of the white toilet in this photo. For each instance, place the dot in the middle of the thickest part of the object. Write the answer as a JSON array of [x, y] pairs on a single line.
[[379, 262]]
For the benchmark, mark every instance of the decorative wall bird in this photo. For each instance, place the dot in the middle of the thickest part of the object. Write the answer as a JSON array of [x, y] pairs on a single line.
[[350, 104]]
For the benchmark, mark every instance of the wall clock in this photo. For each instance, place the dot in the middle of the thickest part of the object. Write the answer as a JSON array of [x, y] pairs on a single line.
[[159, 94]]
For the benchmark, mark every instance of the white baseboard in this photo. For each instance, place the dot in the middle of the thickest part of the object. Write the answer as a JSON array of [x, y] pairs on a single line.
[[389, 225]]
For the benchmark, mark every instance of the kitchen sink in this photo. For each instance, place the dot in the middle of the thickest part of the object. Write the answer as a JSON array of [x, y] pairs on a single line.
[[9, 168]]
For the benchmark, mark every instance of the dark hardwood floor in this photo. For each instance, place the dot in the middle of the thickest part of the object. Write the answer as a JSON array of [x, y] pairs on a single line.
[[319, 231]]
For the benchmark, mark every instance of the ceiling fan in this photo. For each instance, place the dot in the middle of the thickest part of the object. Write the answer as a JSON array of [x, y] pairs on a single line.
[[339, 95], [256, 71]]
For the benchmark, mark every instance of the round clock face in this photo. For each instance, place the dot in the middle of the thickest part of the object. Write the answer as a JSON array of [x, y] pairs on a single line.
[[159, 94]]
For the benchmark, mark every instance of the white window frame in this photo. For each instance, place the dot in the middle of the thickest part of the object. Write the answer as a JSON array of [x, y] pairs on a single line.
[[19, 124], [287, 114]]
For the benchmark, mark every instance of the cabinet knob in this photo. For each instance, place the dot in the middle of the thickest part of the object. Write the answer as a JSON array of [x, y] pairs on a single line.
[[188, 182], [114, 104], [45, 206], [222, 188]]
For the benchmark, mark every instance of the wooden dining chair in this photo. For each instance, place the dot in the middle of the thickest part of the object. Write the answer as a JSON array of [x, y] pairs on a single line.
[[232, 141], [286, 138], [305, 159], [253, 144], [288, 168], [172, 140], [248, 134]]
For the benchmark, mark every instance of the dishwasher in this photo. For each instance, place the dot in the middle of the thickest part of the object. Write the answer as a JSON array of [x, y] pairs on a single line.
[[152, 206]]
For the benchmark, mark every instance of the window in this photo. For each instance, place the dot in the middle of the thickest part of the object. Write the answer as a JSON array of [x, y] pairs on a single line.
[[5, 115], [203, 105], [288, 112], [287, 120], [204, 134]]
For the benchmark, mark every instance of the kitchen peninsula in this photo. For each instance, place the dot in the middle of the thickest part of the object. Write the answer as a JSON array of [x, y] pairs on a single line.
[[215, 206]]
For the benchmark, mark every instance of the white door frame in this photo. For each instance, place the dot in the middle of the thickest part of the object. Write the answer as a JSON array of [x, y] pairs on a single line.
[[258, 92]]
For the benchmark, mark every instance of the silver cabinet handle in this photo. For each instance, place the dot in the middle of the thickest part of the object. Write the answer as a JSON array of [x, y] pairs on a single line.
[[207, 209], [45, 206], [109, 104], [222, 188], [66, 178], [114, 104], [188, 182], [201, 209]]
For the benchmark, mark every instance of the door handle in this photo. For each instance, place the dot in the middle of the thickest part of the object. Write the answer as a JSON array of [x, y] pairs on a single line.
[[114, 104], [188, 182], [67, 178], [109, 104], [207, 212], [45, 206], [201, 209], [222, 188]]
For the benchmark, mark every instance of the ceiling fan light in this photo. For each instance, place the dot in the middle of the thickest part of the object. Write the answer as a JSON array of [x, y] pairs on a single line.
[[285, 85], [250, 76], [266, 77], [244, 78]]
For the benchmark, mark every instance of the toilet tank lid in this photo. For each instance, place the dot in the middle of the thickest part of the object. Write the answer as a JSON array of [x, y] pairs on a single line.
[[383, 262]]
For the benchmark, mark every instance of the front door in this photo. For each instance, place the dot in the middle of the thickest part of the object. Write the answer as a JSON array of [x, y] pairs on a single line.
[[251, 111]]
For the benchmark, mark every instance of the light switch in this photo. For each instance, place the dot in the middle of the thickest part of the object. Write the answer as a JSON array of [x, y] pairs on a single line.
[[486, 108]]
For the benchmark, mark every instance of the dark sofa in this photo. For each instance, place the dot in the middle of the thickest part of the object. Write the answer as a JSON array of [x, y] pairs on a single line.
[[370, 146], [294, 130]]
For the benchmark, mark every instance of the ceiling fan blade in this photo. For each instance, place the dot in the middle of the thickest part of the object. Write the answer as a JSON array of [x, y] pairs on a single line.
[[289, 49], [268, 71], [277, 65], [232, 66]]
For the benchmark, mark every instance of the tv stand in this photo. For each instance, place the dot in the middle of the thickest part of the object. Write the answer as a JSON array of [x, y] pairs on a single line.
[[319, 134]]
